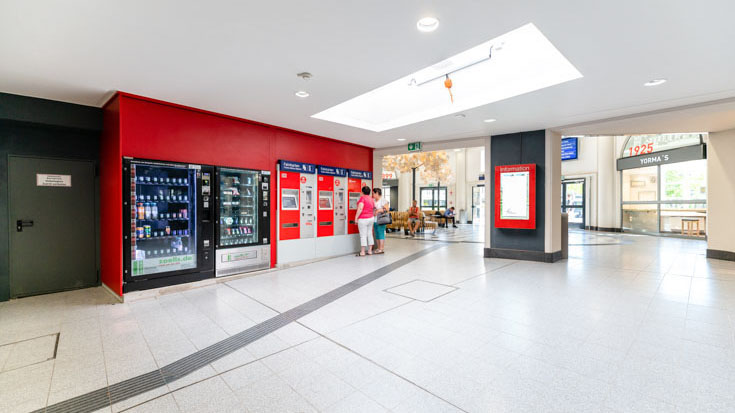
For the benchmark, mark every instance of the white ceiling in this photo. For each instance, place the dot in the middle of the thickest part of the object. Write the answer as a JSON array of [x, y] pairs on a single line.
[[241, 57]]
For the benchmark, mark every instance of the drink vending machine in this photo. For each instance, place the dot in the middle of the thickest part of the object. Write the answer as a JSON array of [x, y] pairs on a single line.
[[167, 223], [355, 181], [331, 205], [243, 220], [297, 212]]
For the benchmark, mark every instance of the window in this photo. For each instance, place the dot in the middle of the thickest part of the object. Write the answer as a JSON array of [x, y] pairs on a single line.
[[386, 194], [666, 199], [433, 198], [684, 180]]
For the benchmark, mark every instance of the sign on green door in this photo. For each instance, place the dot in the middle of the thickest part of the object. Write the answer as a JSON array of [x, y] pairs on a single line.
[[414, 146]]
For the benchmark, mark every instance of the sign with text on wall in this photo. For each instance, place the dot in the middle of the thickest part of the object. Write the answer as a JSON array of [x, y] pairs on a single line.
[[569, 149], [515, 196], [62, 181]]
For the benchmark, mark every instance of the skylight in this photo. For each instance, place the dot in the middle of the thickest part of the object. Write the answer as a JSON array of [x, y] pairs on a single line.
[[521, 61]]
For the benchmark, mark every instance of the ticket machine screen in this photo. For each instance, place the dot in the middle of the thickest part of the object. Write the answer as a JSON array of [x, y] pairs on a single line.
[[354, 198], [290, 199], [325, 199]]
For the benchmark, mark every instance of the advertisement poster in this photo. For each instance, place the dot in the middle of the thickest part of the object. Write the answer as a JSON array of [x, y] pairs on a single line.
[[514, 199]]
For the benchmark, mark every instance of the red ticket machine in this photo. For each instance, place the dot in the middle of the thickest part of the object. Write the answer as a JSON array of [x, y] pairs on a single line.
[[325, 205], [355, 181], [328, 184], [295, 200]]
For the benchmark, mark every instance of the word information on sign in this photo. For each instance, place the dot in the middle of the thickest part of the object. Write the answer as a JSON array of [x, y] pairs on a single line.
[[63, 181]]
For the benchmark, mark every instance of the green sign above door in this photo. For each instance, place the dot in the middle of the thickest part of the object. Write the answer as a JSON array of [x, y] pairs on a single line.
[[414, 146]]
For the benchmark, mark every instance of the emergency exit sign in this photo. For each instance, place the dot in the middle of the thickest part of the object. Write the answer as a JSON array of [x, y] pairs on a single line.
[[414, 146]]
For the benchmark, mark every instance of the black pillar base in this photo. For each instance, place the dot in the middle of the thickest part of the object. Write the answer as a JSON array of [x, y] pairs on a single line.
[[524, 255], [721, 255]]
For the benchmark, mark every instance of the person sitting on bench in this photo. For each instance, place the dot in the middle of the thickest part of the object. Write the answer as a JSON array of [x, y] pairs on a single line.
[[414, 220], [449, 215]]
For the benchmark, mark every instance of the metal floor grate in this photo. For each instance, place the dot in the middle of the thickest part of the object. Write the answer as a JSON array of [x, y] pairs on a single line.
[[106, 396]]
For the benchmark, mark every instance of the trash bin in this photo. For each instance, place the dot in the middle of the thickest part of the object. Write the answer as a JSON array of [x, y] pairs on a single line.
[[462, 216], [564, 235]]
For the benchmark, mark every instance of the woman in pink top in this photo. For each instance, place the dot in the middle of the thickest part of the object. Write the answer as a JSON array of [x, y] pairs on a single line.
[[364, 218]]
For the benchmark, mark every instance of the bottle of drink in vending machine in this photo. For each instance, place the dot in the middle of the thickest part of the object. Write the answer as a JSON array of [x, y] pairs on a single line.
[[154, 210], [147, 210], [141, 210]]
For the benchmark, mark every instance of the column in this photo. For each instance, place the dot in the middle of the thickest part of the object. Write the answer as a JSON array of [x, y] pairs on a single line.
[[721, 195]]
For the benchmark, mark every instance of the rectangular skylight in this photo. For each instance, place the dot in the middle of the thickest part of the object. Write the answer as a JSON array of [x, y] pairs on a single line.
[[522, 60]]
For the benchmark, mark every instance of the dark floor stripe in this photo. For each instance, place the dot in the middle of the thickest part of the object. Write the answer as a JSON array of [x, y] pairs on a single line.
[[115, 393]]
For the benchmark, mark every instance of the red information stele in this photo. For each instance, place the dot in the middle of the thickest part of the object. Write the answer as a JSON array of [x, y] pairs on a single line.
[[529, 223]]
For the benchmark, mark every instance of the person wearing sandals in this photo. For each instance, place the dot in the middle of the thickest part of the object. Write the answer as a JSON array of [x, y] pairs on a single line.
[[381, 205], [364, 217]]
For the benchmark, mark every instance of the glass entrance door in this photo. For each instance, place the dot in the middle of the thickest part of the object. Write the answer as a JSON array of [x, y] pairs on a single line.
[[572, 202], [478, 204]]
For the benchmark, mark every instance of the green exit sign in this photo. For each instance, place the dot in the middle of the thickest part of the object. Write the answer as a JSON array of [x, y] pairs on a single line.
[[414, 146]]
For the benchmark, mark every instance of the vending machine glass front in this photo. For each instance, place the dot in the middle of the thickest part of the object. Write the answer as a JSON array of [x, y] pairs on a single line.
[[163, 223], [238, 207]]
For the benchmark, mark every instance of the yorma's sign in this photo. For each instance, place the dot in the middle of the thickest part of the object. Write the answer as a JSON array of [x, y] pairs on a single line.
[[687, 153]]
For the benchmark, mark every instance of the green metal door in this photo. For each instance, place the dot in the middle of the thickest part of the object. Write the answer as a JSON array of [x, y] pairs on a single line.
[[52, 225]]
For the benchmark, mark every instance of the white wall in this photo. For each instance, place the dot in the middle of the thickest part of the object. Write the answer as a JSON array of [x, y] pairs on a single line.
[[596, 165], [586, 162], [552, 218], [721, 191]]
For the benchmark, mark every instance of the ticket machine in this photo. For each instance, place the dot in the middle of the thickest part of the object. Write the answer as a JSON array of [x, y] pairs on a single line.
[[340, 203], [355, 181], [297, 213], [330, 187]]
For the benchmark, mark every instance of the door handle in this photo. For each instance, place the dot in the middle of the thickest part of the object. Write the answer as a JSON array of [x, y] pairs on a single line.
[[19, 224]]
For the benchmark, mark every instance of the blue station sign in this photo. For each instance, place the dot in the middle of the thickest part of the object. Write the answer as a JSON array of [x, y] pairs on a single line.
[[353, 173], [304, 168], [330, 170]]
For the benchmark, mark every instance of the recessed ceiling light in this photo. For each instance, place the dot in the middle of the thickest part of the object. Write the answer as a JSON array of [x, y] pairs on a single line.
[[489, 120], [427, 24], [401, 139], [655, 82], [302, 94], [528, 62], [460, 116], [457, 150]]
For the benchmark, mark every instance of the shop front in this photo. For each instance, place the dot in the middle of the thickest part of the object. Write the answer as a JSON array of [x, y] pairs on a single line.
[[664, 184]]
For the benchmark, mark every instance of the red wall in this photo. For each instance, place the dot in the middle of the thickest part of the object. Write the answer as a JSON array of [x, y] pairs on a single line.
[[158, 130], [111, 199]]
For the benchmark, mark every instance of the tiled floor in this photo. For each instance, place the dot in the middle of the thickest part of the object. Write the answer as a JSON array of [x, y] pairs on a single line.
[[463, 233], [628, 323]]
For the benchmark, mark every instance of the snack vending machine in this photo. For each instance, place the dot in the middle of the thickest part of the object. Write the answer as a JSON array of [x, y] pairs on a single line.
[[296, 209], [355, 181], [328, 183], [243, 221], [168, 226]]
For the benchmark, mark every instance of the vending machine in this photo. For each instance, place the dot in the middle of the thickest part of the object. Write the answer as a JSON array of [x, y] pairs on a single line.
[[243, 220], [296, 206], [330, 190], [167, 223], [355, 181]]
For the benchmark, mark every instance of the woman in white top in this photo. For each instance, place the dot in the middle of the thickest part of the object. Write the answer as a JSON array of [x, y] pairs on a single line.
[[381, 205]]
